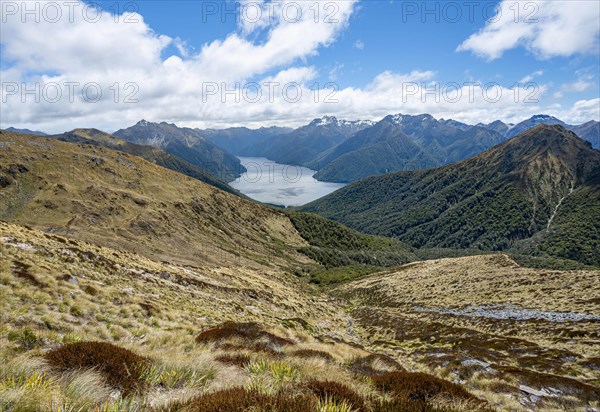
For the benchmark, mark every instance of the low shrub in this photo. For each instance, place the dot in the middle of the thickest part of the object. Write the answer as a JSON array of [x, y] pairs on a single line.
[[21, 270], [336, 392], [257, 347], [374, 365], [418, 386], [241, 400], [247, 331], [122, 368], [236, 360], [311, 353], [405, 405]]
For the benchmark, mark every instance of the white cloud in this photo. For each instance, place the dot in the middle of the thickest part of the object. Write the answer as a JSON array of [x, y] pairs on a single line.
[[209, 88], [531, 76], [582, 111], [359, 44], [580, 85], [548, 28]]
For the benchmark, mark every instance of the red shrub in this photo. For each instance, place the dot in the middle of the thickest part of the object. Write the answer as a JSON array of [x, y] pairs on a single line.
[[242, 400], [311, 353], [337, 392], [236, 360], [120, 367], [247, 331], [420, 386]]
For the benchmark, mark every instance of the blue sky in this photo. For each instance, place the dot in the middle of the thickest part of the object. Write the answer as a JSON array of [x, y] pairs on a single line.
[[371, 50]]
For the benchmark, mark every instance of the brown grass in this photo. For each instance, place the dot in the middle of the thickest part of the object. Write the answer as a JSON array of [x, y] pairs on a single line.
[[120, 367], [312, 353], [242, 400], [336, 392], [418, 386], [234, 359], [248, 331]]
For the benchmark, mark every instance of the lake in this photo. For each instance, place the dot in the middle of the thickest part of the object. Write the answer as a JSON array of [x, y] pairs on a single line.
[[280, 184]]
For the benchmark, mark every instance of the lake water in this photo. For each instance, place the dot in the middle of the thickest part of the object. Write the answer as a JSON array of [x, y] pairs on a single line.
[[279, 184]]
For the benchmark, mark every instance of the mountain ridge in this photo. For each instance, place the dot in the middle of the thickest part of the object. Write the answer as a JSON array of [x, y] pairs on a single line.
[[185, 143], [489, 201], [150, 153]]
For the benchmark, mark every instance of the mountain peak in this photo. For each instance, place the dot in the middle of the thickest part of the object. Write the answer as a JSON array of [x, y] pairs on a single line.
[[543, 117], [325, 121]]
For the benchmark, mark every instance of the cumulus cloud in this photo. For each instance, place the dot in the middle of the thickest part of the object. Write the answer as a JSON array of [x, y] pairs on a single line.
[[548, 28], [113, 72]]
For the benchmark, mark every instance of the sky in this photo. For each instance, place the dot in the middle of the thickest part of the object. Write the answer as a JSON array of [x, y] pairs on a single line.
[[108, 64]]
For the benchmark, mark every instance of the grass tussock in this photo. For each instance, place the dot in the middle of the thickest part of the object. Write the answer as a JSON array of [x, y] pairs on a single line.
[[375, 365], [239, 359], [251, 332], [312, 353], [417, 386], [337, 393], [122, 368], [242, 400]]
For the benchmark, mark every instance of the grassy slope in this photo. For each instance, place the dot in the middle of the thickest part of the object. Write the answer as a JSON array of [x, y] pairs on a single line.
[[399, 310], [55, 289], [149, 153], [121, 201]]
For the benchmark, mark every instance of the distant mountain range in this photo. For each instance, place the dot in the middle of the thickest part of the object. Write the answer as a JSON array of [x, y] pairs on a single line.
[[26, 131], [188, 144], [405, 142], [346, 151], [302, 145], [340, 150], [542, 186], [242, 141], [402, 142]]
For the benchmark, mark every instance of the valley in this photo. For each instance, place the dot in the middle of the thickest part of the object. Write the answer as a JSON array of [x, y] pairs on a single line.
[[118, 249], [300, 206], [280, 184]]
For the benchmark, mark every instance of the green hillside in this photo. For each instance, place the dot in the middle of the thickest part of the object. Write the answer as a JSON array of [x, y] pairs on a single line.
[[489, 202], [345, 253]]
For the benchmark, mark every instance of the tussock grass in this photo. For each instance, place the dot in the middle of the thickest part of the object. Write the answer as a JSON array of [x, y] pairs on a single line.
[[122, 368], [312, 353], [247, 331], [419, 386], [242, 400], [338, 393]]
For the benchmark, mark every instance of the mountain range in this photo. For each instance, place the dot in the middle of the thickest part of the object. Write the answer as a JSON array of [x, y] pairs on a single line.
[[339, 150], [404, 142], [188, 144], [346, 151], [535, 182], [302, 145]]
